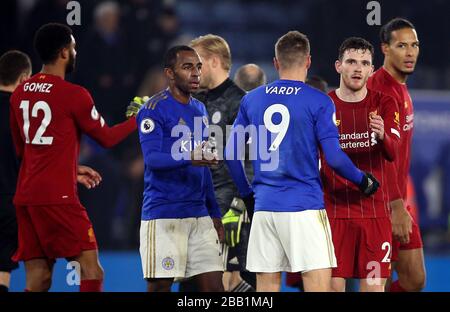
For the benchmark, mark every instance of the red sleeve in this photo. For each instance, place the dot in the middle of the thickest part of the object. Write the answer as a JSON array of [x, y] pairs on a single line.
[[390, 115], [90, 122], [15, 131], [392, 181]]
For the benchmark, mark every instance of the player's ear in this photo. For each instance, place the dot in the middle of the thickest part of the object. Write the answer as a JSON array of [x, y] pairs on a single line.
[[65, 53], [385, 48], [23, 77], [215, 61], [308, 61], [338, 65], [275, 64], [169, 73]]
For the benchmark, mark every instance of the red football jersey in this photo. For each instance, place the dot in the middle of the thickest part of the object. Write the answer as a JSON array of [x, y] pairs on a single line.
[[383, 82], [48, 116], [343, 199]]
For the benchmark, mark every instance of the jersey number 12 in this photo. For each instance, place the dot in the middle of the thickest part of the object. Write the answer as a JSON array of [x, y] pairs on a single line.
[[38, 139]]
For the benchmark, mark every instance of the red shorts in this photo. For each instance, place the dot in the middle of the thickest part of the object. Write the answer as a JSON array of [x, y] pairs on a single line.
[[415, 241], [57, 231], [362, 247]]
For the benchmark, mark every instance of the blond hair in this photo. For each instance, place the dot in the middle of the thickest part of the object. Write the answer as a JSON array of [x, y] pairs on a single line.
[[214, 45], [292, 49]]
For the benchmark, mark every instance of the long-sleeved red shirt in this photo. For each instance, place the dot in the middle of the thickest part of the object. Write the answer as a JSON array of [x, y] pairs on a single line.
[[48, 117], [342, 199], [383, 82]]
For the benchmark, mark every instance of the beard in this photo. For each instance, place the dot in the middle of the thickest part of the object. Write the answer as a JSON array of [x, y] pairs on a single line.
[[70, 67]]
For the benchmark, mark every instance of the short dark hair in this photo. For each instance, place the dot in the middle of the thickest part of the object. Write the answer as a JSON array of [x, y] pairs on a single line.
[[292, 48], [355, 43], [318, 83], [13, 64], [50, 39], [170, 58], [393, 25]]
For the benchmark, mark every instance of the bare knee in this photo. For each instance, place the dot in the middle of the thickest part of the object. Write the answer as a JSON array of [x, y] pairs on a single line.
[[39, 282], [210, 281], [268, 282], [414, 281]]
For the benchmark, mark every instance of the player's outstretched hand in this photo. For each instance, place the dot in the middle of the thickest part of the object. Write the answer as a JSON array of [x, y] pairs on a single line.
[[219, 228], [401, 221], [249, 202], [135, 105], [201, 156], [369, 185], [88, 177], [232, 222]]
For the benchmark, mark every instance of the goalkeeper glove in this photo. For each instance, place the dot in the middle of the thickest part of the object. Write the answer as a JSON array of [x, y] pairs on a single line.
[[232, 222], [369, 185], [135, 105]]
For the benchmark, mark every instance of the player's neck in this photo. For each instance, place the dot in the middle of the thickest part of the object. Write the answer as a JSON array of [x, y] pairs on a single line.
[[348, 95], [293, 75], [179, 95], [218, 79], [53, 69], [398, 76]]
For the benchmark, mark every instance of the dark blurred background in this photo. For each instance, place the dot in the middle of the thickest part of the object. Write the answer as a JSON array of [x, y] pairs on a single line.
[[120, 45]]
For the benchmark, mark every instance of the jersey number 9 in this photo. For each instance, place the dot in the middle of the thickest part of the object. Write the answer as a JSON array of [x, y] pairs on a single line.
[[279, 129]]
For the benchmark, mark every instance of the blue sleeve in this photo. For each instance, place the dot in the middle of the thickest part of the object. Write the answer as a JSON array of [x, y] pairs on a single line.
[[339, 161], [151, 138], [325, 119], [211, 202], [235, 149]]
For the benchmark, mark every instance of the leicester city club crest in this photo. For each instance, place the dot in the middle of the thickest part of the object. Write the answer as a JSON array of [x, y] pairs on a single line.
[[168, 263]]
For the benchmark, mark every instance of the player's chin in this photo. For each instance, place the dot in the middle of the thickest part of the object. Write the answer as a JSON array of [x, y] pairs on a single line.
[[408, 70], [356, 86], [193, 87]]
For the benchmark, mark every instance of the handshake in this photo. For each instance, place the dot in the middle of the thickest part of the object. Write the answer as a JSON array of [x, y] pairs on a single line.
[[135, 105]]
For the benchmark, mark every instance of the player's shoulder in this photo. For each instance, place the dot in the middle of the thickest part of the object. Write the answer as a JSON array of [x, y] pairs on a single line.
[[75, 88], [198, 104], [155, 104], [317, 97], [257, 92]]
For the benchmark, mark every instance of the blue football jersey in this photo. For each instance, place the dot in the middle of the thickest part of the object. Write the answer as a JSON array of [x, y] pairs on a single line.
[[290, 119], [170, 130]]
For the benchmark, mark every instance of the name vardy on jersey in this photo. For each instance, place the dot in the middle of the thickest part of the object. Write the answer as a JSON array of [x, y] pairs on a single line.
[[37, 87], [282, 90], [226, 301]]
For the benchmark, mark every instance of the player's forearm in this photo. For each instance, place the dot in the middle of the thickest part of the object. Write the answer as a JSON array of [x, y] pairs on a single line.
[[390, 146], [235, 165], [163, 161], [237, 172], [110, 136], [339, 161], [211, 202]]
